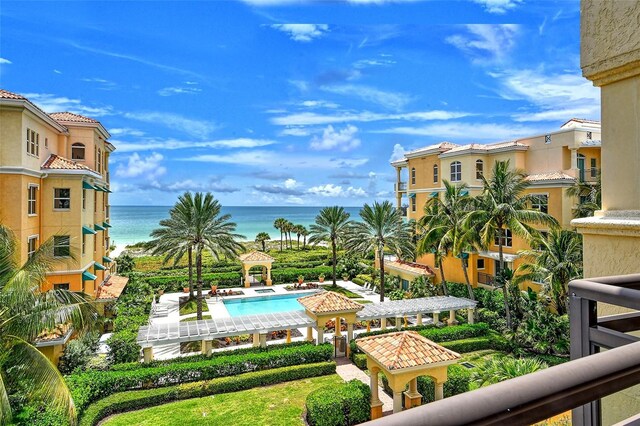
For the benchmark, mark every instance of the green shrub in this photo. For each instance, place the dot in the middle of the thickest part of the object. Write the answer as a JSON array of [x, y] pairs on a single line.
[[458, 380], [339, 406], [92, 385], [78, 352], [134, 400], [492, 341], [456, 332], [360, 360]]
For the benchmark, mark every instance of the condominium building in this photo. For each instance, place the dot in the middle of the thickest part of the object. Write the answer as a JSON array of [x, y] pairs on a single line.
[[54, 184], [552, 161]]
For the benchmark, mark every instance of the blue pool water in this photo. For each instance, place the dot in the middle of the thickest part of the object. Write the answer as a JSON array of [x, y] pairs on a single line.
[[263, 304]]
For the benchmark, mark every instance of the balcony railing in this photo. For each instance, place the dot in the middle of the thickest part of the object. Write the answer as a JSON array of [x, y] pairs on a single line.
[[401, 186], [486, 279], [577, 385], [588, 175]]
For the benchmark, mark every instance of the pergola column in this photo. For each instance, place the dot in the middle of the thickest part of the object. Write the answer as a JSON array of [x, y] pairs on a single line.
[[436, 318], [256, 339], [338, 325], [383, 323], [269, 282], [349, 336], [412, 398], [471, 318], [419, 319], [439, 391], [398, 323], [263, 340], [309, 334], [207, 347], [397, 401], [288, 335], [368, 326], [452, 318], [245, 273], [376, 404], [320, 330], [147, 354]]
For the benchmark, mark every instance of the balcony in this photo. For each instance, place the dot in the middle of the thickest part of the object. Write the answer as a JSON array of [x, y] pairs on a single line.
[[106, 211], [588, 175], [400, 186], [486, 279], [578, 385]]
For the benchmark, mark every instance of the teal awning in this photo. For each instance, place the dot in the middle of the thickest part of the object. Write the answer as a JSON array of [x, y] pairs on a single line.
[[465, 192], [98, 227], [99, 267], [107, 190], [434, 194], [99, 188], [88, 276], [463, 255], [106, 224], [106, 259], [87, 230], [412, 195], [87, 185]]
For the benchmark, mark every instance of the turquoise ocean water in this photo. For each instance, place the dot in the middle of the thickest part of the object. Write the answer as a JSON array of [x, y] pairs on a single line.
[[132, 224]]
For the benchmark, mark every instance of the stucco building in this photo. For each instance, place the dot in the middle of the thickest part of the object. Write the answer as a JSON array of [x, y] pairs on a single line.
[[552, 161]]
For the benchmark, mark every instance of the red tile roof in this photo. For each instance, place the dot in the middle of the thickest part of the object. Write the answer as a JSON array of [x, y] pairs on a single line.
[[256, 256], [5, 94], [112, 288], [60, 163], [416, 268], [541, 177], [329, 301], [70, 117]]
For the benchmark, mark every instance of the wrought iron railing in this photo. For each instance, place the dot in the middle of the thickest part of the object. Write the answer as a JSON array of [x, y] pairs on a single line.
[[588, 175], [486, 279]]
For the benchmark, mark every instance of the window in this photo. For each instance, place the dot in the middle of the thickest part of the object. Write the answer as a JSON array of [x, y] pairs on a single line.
[[99, 168], [62, 198], [480, 263], [61, 246], [405, 285], [594, 169], [413, 176], [64, 286], [589, 135], [507, 238], [547, 139], [77, 151], [413, 204], [32, 245], [95, 243], [33, 142], [479, 169], [540, 202], [32, 197], [46, 142], [84, 198], [456, 171], [435, 173]]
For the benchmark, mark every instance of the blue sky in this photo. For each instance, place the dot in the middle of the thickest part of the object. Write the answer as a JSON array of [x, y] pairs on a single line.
[[285, 102]]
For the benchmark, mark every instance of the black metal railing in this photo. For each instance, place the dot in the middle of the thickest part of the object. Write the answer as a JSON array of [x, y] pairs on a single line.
[[588, 175], [486, 279]]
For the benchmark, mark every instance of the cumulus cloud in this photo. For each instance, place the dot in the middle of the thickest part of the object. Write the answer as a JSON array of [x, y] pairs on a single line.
[[148, 167], [398, 153], [486, 42], [302, 32], [331, 190], [291, 183], [343, 140]]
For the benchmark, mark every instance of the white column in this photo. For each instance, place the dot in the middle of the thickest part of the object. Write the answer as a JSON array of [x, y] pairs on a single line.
[[470, 316], [397, 401], [256, 339], [419, 319], [309, 334], [263, 340], [320, 330], [147, 354], [383, 323], [207, 347], [452, 318], [436, 318], [439, 390], [398, 323]]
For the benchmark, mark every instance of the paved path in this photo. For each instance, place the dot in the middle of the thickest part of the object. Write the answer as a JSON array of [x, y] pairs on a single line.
[[348, 371]]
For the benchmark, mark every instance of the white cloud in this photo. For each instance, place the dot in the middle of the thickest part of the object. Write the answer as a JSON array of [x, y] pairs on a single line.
[[101, 83], [191, 185], [301, 85], [302, 32], [191, 126], [343, 140], [281, 160], [5, 61], [365, 63], [240, 158], [157, 144], [126, 131], [52, 103], [392, 100], [311, 118], [57, 71], [291, 183], [398, 153], [148, 167], [499, 7], [295, 131], [169, 91], [319, 104], [464, 131], [486, 42], [331, 190]]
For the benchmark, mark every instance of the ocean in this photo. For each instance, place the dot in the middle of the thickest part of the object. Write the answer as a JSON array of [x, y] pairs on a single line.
[[133, 224]]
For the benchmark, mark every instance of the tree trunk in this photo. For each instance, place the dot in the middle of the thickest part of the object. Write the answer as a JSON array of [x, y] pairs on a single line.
[[281, 240], [190, 272], [445, 290], [335, 260], [304, 245], [505, 291], [290, 241], [199, 278], [381, 254], [263, 246], [298, 241], [466, 278]]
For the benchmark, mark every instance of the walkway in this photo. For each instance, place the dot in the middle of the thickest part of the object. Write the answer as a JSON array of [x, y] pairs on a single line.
[[348, 371]]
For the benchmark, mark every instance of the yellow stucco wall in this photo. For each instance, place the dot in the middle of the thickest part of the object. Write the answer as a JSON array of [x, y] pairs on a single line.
[[53, 353]]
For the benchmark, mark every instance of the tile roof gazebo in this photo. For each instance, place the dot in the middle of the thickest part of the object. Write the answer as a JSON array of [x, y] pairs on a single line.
[[403, 357], [255, 258]]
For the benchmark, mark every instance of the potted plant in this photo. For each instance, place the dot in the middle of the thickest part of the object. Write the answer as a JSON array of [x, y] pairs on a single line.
[[185, 289], [345, 277], [321, 278], [160, 291], [300, 279]]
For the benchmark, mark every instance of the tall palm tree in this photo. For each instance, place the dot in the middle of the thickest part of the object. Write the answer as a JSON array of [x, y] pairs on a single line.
[[279, 224], [557, 261], [288, 227], [331, 225], [305, 233], [298, 230], [504, 205], [442, 222], [262, 238], [382, 227], [27, 313], [589, 197]]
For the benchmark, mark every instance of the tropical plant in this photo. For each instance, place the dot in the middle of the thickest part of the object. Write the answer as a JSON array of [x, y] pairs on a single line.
[[279, 224], [350, 265], [557, 261], [382, 226], [589, 197], [305, 233], [499, 369], [331, 225], [540, 330], [125, 263], [298, 230], [28, 313], [422, 287], [396, 294], [504, 205], [262, 238], [288, 227]]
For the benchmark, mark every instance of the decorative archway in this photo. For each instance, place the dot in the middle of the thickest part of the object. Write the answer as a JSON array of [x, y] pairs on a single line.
[[255, 258]]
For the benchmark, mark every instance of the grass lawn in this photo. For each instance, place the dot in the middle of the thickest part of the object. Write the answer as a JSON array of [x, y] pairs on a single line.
[[363, 301], [191, 307], [341, 290], [204, 317], [273, 405]]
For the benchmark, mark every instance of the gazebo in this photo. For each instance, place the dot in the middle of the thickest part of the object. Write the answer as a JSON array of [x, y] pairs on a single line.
[[255, 258], [403, 357], [328, 305]]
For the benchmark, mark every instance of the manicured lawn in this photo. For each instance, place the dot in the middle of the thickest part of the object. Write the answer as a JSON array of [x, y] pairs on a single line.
[[273, 405], [204, 317], [190, 307], [363, 301], [341, 290]]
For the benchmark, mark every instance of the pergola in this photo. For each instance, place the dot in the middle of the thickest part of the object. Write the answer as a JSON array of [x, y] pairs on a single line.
[[403, 357], [255, 258]]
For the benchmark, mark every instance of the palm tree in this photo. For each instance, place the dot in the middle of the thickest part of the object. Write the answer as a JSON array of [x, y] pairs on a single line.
[[442, 222], [262, 238], [298, 230], [279, 224], [589, 197], [557, 261], [27, 313], [288, 227], [504, 205], [332, 224], [382, 227], [305, 233], [499, 369]]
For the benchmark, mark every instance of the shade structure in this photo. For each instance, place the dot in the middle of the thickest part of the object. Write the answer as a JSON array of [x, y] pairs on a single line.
[[412, 195], [107, 259], [464, 192], [424, 305], [88, 276], [99, 267], [87, 185], [87, 230], [107, 190], [98, 227], [434, 194], [99, 188], [106, 224]]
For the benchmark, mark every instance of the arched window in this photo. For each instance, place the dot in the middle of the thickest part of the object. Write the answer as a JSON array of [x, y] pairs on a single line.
[[413, 176], [479, 169], [77, 151], [435, 173], [456, 171]]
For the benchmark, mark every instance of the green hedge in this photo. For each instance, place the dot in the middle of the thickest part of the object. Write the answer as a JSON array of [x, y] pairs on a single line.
[[134, 400], [360, 360], [345, 405], [491, 341], [458, 380], [92, 385]]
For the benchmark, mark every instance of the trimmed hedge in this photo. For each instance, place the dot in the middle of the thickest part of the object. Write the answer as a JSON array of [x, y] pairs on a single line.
[[492, 341], [345, 405], [458, 380], [360, 360], [92, 385], [135, 400]]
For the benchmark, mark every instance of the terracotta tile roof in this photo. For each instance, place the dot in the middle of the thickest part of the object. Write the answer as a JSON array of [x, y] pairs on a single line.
[[112, 289], [580, 120], [413, 267], [256, 256], [60, 163], [487, 147], [57, 333], [5, 94], [329, 301], [405, 349], [541, 177], [442, 147], [71, 117]]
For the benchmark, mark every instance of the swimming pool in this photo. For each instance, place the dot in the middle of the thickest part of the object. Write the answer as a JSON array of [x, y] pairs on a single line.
[[264, 304]]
